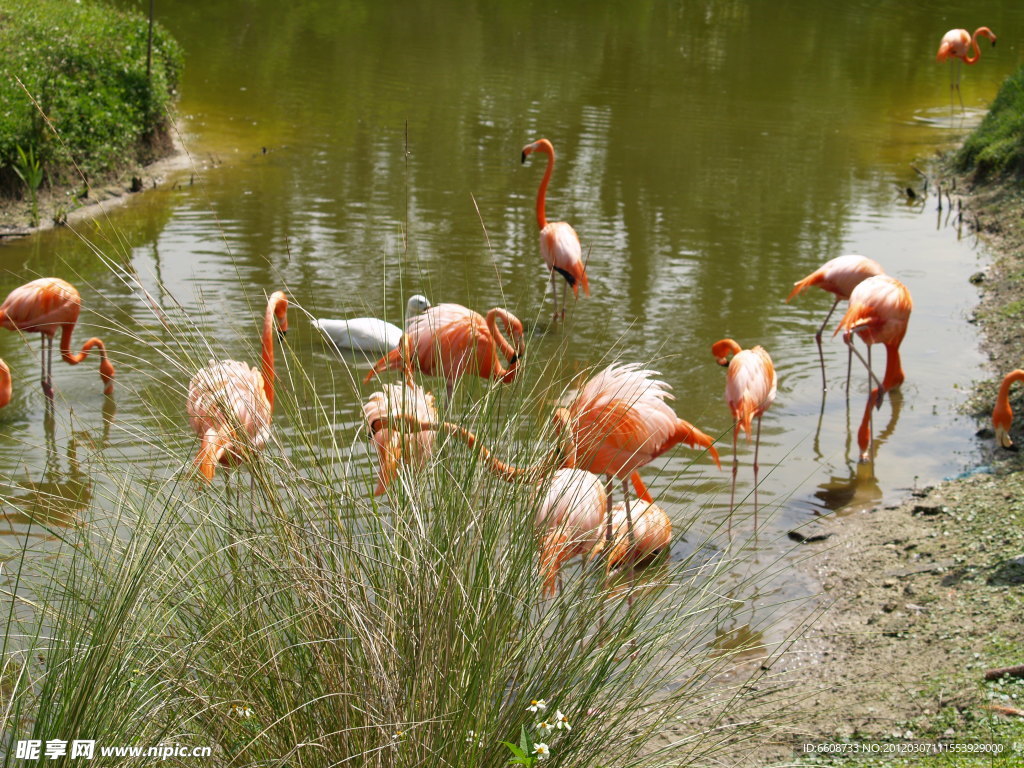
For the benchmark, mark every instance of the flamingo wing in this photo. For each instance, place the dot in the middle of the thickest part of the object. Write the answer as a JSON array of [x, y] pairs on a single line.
[[42, 305], [561, 250]]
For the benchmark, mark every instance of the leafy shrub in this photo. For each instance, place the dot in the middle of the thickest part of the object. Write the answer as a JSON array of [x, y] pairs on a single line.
[[997, 145], [84, 65]]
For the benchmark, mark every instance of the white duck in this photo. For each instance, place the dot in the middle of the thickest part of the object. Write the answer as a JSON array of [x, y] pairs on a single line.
[[369, 334]]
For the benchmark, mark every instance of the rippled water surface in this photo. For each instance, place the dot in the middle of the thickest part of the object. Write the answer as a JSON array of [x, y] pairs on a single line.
[[709, 155]]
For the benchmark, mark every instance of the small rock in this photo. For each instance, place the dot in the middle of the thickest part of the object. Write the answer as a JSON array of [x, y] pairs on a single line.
[[977, 278], [889, 607], [136, 184]]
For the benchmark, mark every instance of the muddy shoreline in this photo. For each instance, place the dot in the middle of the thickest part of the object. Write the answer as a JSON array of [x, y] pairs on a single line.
[[922, 597]]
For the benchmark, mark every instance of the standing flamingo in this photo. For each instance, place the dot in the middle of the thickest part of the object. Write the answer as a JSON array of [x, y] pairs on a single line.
[[879, 311], [394, 444], [750, 386], [5, 383], [45, 306], [229, 404], [450, 340], [619, 421], [1002, 414], [956, 45], [559, 245], [838, 276]]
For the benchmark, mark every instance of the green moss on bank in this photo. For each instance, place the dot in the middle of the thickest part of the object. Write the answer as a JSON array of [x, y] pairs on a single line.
[[997, 145], [84, 64]]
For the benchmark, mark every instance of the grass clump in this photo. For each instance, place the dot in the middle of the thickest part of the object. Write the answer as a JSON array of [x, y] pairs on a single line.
[[84, 64], [287, 617], [997, 145]]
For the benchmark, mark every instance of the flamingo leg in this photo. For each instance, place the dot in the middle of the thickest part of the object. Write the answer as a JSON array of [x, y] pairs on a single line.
[[608, 488], [817, 338], [735, 469], [631, 538], [757, 446], [871, 377], [46, 364], [849, 368], [554, 296], [565, 291], [958, 92]]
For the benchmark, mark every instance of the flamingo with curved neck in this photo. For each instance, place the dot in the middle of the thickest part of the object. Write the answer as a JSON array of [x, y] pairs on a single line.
[[450, 340], [5, 384], [1002, 414], [230, 405], [45, 306], [559, 244], [955, 47]]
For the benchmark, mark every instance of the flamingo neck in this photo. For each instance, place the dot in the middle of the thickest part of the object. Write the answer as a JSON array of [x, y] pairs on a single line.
[[545, 146], [893, 367], [1003, 398], [983, 32], [267, 353], [507, 350], [5, 384]]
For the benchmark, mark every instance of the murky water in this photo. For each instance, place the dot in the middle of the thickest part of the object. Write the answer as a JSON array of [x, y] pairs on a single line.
[[709, 154]]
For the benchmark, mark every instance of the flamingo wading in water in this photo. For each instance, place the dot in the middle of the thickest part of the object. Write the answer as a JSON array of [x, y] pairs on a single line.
[[45, 306], [879, 312], [229, 404], [450, 340], [394, 444], [955, 47], [619, 421], [838, 276], [1002, 414], [559, 245], [750, 386]]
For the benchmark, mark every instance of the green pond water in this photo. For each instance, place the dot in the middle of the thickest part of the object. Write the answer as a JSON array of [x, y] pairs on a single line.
[[709, 155]]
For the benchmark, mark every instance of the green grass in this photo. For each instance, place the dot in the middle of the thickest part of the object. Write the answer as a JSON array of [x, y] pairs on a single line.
[[288, 618], [997, 145], [85, 66]]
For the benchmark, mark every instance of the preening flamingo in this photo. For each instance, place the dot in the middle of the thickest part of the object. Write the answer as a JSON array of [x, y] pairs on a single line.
[[559, 244], [394, 444], [652, 535], [750, 386], [879, 311], [5, 383], [45, 306], [838, 276], [229, 404], [370, 334], [619, 421], [1002, 414], [570, 518], [955, 47], [450, 340]]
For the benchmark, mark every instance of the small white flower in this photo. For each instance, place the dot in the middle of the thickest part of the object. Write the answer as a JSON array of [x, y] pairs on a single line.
[[397, 735], [239, 711], [541, 750], [537, 705], [561, 721], [545, 726]]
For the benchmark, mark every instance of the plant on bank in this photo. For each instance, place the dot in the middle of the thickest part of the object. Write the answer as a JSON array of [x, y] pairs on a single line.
[[30, 171]]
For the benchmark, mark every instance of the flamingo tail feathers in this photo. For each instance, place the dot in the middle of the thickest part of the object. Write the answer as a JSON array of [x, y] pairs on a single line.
[[641, 490], [693, 437], [392, 360], [802, 285]]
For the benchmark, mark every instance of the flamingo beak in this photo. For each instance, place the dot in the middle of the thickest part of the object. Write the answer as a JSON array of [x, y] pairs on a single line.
[[723, 361], [524, 151]]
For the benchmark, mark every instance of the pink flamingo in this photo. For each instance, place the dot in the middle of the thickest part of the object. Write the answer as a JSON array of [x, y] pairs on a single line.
[[1002, 414], [450, 340], [619, 421], [571, 514], [5, 384], [396, 445], [652, 535], [45, 306], [838, 276], [229, 404], [559, 244], [955, 47], [750, 386], [879, 312]]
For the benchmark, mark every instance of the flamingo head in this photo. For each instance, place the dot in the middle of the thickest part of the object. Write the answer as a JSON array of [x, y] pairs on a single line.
[[541, 145], [107, 375], [417, 305], [280, 304], [724, 350], [1002, 418]]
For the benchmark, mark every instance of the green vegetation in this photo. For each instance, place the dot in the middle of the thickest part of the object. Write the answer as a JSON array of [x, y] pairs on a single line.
[[284, 616], [997, 145], [84, 65]]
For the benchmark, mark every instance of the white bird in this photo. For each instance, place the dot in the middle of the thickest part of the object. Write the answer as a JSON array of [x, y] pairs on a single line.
[[369, 334]]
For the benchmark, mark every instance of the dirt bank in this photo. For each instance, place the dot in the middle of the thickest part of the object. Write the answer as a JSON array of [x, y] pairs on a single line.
[[925, 596]]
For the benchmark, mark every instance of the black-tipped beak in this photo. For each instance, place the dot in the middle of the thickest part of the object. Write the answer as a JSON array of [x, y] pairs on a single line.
[[514, 359], [524, 153], [375, 427], [724, 362], [281, 334]]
